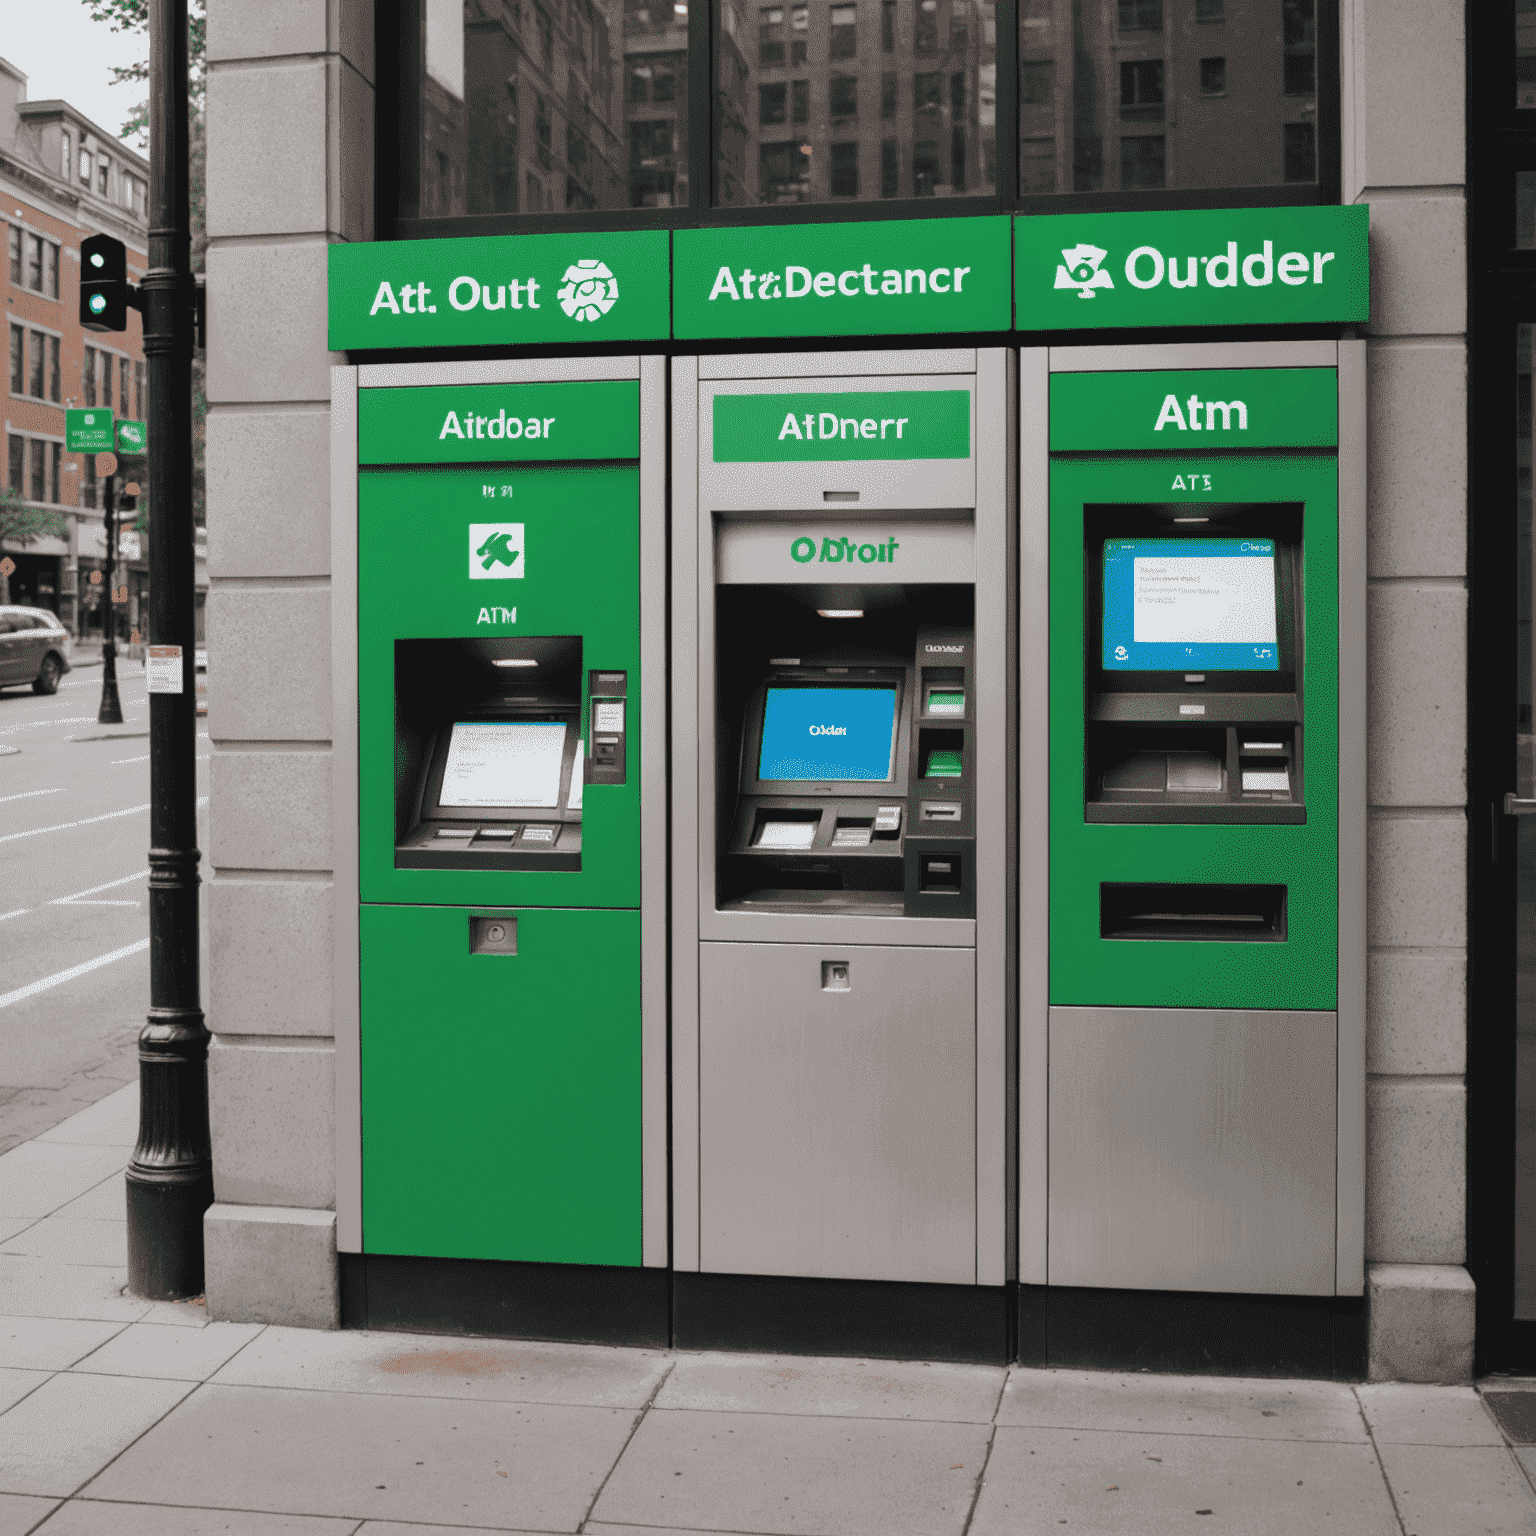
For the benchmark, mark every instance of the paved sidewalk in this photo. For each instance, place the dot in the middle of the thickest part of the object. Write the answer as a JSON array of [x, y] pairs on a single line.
[[121, 1418]]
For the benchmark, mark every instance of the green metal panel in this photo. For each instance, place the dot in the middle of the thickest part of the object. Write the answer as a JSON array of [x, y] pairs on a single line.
[[1301, 972], [581, 562], [501, 1093]]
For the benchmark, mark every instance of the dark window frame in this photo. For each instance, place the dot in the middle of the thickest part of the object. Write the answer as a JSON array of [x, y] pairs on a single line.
[[397, 138]]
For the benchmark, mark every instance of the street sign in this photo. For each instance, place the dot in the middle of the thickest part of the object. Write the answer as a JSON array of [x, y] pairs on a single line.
[[88, 431], [128, 546], [106, 464], [132, 437], [7, 565]]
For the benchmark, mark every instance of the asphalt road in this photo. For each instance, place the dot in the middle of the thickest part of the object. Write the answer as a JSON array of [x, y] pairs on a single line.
[[74, 920]]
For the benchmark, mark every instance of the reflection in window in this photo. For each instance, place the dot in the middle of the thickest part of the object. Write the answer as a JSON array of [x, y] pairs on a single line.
[[536, 106], [929, 64], [1135, 97]]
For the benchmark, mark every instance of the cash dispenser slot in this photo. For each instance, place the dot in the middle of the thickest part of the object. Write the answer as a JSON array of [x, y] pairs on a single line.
[[1240, 914]]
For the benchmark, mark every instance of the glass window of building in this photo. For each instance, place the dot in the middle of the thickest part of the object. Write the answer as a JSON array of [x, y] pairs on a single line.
[[85, 165], [104, 382], [124, 373], [50, 269], [39, 365], [103, 174], [15, 253], [899, 100], [1130, 95], [55, 383], [88, 376], [18, 360], [35, 263], [67, 156], [55, 465], [16, 452], [39, 487], [546, 106]]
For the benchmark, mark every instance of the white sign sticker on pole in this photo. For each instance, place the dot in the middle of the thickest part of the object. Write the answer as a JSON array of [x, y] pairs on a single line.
[[128, 547], [162, 668]]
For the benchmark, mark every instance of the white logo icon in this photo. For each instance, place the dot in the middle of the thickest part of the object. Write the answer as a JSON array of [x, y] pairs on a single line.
[[590, 290], [1081, 270], [495, 551], [1121, 653]]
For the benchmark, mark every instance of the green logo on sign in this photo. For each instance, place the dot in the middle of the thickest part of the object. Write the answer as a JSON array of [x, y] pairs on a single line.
[[131, 437], [590, 290], [843, 551]]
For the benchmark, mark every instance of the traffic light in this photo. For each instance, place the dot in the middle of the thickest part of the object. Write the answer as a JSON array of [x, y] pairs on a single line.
[[105, 296]]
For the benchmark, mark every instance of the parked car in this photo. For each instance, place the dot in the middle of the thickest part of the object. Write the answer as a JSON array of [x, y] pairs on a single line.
[[34, 648]]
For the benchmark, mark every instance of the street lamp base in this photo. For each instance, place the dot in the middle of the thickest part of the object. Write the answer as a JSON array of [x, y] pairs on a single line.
[[165, 1236]]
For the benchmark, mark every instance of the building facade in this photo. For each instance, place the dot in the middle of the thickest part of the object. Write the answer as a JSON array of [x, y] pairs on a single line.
[[344, 122]]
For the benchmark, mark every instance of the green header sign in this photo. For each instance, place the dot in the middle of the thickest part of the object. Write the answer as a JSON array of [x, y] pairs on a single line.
[[489, 423], [132, 438], [1222, 266], [505, 290], [1197, 410], [894, 424], [896, 277], [88, 431]]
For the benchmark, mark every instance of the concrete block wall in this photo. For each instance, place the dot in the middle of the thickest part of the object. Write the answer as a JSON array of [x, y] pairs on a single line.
[[285, 77], [1405, 155]]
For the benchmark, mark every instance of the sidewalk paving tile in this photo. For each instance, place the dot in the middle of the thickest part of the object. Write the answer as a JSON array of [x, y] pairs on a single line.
[[11, 1225], [37, 1177], [157, 1351], [16, 1384], [109, 1122], [874, 1389], [72, 1426], [1400, 1414], [1460, 1490], [105, 1201], [73, 1240], [602, 1528], [480, 1370], [50, 1343], [178, 1314], [393, 1458], [90, 1517], [20, 1513], [1182, 1405], [395, 1528], [38, 1288], [1109, 1484], [787, 1475]]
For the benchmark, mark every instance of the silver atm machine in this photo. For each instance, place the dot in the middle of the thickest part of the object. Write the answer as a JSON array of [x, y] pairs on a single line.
[[842, 803]]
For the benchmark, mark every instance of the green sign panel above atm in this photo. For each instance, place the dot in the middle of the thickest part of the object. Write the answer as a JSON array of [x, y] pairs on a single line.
[[486, 423], [902, 424], [888, 277], [1224, 266], [501, 290], [1196, 410]]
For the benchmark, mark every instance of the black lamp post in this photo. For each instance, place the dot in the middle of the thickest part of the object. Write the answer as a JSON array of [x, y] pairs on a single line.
[[111, 711], [170, 1179]]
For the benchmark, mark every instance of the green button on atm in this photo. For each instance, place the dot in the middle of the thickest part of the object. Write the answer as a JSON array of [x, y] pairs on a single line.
[[503, 770]]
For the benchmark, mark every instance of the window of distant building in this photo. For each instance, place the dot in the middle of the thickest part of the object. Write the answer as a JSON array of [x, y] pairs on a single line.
[[85, 165], [15, 254], [66, 158], [88, 377], [18, 360], [103, 174]]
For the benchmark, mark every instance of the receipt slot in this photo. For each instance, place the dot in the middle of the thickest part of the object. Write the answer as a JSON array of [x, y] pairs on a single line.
[[842, 697], [506, 774], [1204, 1064]]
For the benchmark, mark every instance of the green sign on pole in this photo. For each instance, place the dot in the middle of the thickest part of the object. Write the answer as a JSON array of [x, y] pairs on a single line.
[[504, 290], [1196, 411], [132, 438], [896, 277], [829, 424], [88, 431], [1223, 266], [486, 423]]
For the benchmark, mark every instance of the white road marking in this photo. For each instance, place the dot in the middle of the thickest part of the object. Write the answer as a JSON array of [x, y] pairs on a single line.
[[19, 912], [118, 761], [27, 725], [64, 826], [27, 794], [34, 987], [75, 901]]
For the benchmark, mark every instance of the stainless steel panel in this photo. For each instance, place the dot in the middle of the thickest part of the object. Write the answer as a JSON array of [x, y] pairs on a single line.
[[775, 365], [1034, 809], [882, 484], [1350, 1275], [759, 551], [500, 370], [837, 1135], [1195, 354], [344, 972], [1193, 1150], [816, 928]]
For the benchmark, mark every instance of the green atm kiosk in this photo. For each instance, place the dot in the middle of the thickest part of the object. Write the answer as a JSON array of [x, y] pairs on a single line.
[[1194, 1026], [503, 678]]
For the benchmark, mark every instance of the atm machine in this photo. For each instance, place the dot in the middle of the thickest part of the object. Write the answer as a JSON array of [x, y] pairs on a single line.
[[501, 864], [842, 887], [1192, 1047]]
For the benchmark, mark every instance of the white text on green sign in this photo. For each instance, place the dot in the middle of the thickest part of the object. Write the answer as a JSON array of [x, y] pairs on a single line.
[[821, 426]]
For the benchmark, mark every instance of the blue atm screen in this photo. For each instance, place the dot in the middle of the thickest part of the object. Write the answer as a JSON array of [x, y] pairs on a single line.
[[1174, 604], [828, 733]]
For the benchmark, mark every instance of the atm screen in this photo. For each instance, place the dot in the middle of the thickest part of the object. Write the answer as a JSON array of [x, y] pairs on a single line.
[[1175, 604], [503, 763], [828, 733]]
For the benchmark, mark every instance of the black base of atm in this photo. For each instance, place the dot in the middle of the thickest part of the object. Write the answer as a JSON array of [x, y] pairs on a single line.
[[883, 1319], [1193, 1333], [577, 1303]]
